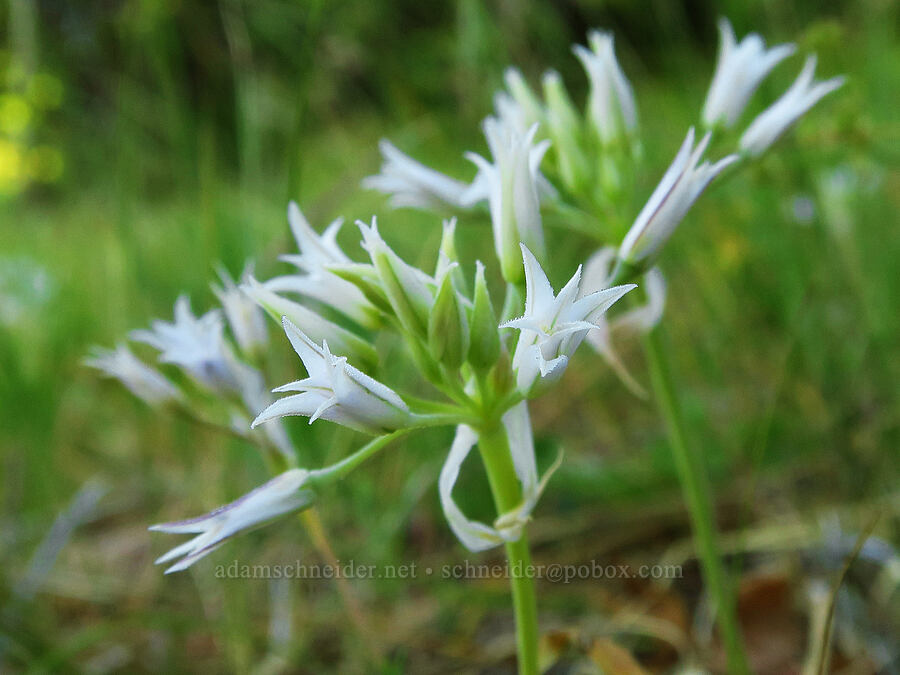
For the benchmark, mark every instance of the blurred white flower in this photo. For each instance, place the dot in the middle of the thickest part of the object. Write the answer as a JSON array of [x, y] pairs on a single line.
[[741, 67], [410, 183], [802, 95], [248, 324], [477, 536], [682, 184], [317, 282], [197, 345], [552, 328], [511, 186], [283, 494], [141, 380], [336, 391], [598, 273], [611, 107]]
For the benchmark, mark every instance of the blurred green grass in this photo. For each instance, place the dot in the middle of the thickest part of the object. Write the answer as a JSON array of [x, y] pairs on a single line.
[[182, 146]]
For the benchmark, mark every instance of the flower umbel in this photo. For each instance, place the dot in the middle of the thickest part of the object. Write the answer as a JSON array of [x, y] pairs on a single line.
[[682, 184], [336, 391], [283, 494], [553, 327], [778, 117], [741, 67]]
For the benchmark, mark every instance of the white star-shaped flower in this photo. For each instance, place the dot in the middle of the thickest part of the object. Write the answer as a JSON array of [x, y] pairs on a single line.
[[553, 326], [802, 95], [684, 181], [741, 67], [411, 183], [283, 494], [336, 391], [611, 106], [195, 344], [317, 252]]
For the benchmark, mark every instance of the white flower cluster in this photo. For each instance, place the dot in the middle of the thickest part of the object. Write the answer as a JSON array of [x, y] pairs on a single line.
[[334, 308]]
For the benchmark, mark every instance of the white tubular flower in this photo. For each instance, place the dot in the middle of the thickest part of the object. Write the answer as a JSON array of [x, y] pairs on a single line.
[[637, 321], [316, 253], [412, 184], [778, 117], [741, 67], [477, 536], [552, 328], [244, 316], [283, 494], [611, 107], [336, 391], [140, 379], [511, 183], [197, 345], [682, 184]]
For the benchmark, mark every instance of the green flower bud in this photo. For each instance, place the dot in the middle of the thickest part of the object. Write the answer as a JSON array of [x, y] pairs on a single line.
[[484, 340], [564, 128], [448, 331], [366, 279]]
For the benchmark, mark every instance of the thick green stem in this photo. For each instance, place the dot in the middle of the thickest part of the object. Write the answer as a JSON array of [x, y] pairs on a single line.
[[494, 447], [697, 494]]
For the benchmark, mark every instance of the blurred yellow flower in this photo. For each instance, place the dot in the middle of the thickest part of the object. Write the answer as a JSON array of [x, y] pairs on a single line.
[[15, 114]]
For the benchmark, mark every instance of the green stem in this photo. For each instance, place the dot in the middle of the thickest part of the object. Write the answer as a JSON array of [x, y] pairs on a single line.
[[494, 447], [346, 465], [697, 491]]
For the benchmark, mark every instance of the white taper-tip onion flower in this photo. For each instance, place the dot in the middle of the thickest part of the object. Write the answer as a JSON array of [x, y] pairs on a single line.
[[195, 344], [684, 181], [598, 273], [412, 184], [140, 379], [802, 95], [741, 67], [511, 185], [317, 282], [477, 536], [286, 493], [248, 324], [553, 327], [336, 391], [611, 106]]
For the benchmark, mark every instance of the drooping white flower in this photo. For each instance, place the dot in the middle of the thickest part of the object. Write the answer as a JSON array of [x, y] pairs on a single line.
[[741, 67], [336, 391], [412, 184], [283, 494], [511, 185], [611, 107], [598, 273], [477, 536], [140, 379], [553, 327], [317, 282], [802, 95], [195, 344], [684, 181], [248, 325]]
